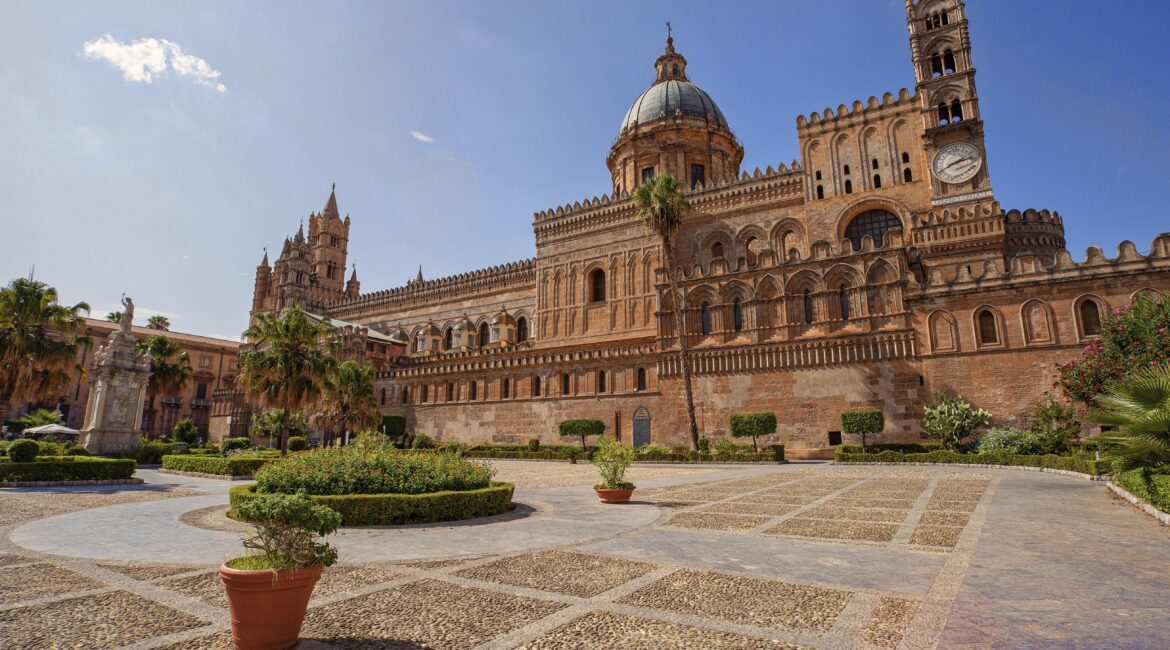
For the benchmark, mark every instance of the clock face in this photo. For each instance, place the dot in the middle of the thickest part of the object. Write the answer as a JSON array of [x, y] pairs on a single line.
[[957, 162]]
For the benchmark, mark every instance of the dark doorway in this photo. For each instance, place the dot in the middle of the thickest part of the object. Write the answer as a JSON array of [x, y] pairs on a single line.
[[641, 427]]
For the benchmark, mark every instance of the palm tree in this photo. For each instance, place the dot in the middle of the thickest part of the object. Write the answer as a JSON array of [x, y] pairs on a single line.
[[286, 365], [1139, 406], [349, 397], [114, 317], [170, 367], [661, 205], [158, 322], [39, 341]]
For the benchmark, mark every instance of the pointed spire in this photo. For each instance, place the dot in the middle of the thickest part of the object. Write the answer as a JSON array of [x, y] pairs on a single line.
[[299, 238], [353, 276], [330, 210], [419, 278], [264, 262]]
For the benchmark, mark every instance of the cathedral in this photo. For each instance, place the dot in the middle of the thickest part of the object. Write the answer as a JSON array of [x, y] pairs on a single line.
[[873, 272]]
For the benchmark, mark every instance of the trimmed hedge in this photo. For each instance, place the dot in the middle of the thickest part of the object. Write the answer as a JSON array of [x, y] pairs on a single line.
[[582, 428], [903, 447], [68, 468], [543, 454], [1068, 463], [229, 466], [753, 425], [232, 444], [399, 509], [1159, 496], [23, 451]]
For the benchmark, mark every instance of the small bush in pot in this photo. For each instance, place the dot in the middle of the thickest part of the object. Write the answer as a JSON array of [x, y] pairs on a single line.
[[612, 459], [268, 590]]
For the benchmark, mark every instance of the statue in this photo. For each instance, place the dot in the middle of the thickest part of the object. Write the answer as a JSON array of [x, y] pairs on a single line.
[[127, 313]]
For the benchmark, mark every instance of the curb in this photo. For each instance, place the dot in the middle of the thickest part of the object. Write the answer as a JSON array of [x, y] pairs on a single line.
[[1141, 503], [218, 477], [109, 481], [1048, 470]]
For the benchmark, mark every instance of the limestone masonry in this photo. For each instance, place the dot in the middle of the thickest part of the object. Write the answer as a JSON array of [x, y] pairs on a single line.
[[873, 272]]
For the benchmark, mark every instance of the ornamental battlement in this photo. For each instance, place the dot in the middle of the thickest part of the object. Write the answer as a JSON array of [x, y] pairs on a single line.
[[492, 278], [857, 113]]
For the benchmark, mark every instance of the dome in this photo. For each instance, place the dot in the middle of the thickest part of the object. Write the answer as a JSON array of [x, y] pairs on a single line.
[[504, 318], [673, 97], [462, 325], [400, 337], [429, 330]]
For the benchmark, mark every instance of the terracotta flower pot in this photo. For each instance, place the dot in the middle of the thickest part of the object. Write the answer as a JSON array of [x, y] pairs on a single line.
[[266, 609], [614, 496]]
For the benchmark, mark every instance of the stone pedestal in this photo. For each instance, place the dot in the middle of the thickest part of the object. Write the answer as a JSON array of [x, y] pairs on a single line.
[[117, 395]]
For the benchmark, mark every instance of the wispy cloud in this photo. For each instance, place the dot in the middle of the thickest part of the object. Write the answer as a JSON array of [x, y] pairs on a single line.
[[421, 137], [147, 59]]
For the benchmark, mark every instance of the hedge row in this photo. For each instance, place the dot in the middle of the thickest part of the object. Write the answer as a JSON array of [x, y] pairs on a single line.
[[1068, 463], [903, 447], [68, 468], [1156, 493], [399, 509], [775, 454], [229, 466], [528, 455]]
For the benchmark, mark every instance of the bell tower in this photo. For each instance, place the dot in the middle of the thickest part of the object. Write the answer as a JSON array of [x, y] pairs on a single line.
[[945, 81], [329, 243]]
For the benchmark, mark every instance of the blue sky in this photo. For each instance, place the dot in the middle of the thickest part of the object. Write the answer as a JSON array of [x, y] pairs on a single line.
[[169, 190]]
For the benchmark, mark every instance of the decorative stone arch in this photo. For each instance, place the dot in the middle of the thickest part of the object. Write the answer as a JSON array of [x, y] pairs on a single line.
[[857, 208], [769, 308], [1083, 315], [750, 242], [787, 235], [557, 282], [802, 307], [881, 296], [1038, 323], [989, 327], [944, 332], [695, 300], [571, 286], [843, 282], [707, 250], [587, 280]]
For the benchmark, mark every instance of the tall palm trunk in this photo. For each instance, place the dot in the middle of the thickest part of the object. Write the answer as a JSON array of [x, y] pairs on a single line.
[[284, 429], [684, 350]]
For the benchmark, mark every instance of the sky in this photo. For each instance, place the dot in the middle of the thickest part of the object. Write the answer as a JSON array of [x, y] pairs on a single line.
[[155, 148]]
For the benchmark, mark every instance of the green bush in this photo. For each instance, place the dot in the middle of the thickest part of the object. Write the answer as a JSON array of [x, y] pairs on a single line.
[[753, 425], [185, 431], [68, 468], [863, 423], [148, 452], [76, 451], [353, 471], [1084, 465], [904, 447], [612, 459], [287, 527], [704, 445], [23, 451], [232, 444], [534, 444], [50, 448], [653, 452], [777, 452], [394, 425], [220, 465], [1054, 426], [1008, 441], [398, 509], [582, 428], [297, 443], [1154, 488], [422, 441], [951, 419]]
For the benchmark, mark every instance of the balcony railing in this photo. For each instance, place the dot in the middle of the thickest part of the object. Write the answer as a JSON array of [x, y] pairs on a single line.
[[200, 403], [172, 401]]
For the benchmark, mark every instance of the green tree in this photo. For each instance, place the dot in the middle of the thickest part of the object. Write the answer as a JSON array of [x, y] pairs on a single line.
[[286, 364], [753, 425], [951, 419], [114, 317], [661, 205], [582, 428], [863, 423], [170, 367], [1139, 406], [269, 424], [1054, 426], [39, 341], [350, 401], [39, 417], [185, 431], [158, 322]]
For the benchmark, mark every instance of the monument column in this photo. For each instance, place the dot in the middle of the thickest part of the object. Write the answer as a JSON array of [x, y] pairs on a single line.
[[117, 395]]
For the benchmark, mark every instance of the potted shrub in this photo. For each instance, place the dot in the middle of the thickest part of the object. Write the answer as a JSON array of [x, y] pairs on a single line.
[[268, 591], [612, 459]]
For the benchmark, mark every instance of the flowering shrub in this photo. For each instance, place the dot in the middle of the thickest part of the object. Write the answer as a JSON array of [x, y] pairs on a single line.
[[1133, 337], [370, 471]]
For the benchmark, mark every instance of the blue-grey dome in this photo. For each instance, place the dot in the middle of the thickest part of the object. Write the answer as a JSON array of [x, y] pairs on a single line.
[[673, 97]]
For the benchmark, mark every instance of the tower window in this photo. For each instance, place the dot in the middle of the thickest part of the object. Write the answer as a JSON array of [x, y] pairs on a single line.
[[698, 175], [808, 307], [846, 170], [820, 191], [641, 380], [818, 175], [908, 175], [450, 392], [988, 331], [843, 299], [956, 111], [705, 318], [597, 286], [944, 114], [647, 174], [848, 186], [447, 340], [483, 335], [405, 395], [874, 223], [564, 383], [936, 65], [737, 315], [874, 164], [473, 389], [536, 386], [877, 181], [717, 249], [333, 240], [521, 329], [424, 393], [505, 389], [949, 62], [601, 381], [905, 158]]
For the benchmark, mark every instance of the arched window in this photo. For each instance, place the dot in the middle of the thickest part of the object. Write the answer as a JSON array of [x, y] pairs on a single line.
[[808, 307], [536, 386], [641, 381], [988, 328], [1090, 315], [483, 335], [936, 65], [601, 381], [505, 389], [907, 175], [473, 391], [944, 114], [405, 395], [450, 392], [597, 286], [848, 186], [843, 300], [875, 163], [956, 111], [949, 62], [447, 340], [564, 383], [705, 318], [817, 175], [425, 391], [522, 329], [820, 191], [751, 250], [717, 249], [877, 181], [846, 170], [737, 315], [905, 158], [875, 223]]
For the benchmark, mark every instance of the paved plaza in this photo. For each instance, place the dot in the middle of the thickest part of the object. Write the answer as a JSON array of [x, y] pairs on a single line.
[[801, 555]]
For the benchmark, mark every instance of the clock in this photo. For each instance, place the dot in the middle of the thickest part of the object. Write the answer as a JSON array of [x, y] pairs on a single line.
[[957, 162]]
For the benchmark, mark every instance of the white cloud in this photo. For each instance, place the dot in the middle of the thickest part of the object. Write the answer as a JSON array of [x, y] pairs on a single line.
[[147, 59], [421, 137]]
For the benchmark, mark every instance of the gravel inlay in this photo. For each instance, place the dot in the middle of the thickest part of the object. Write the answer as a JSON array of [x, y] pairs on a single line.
[[952, 506], [704, 521], [744, 599], [705, 495], [146, 572], [428, 565], [609, 631], [893, 504], [7, 560], [855, 514], [797, 499], [936, 535], [527, 474], [106, 620], [888, 624], [342, 578], [427, 613], [844, 530], [748, 508], [41, 581], [217, 641], [205, 586], [563, 572], [941, 518]]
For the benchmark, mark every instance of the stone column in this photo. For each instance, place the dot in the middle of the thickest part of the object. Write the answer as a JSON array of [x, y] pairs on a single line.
[[117, 395]]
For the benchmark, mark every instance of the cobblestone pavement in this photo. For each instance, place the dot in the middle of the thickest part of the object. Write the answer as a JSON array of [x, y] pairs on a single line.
[[796, 556]]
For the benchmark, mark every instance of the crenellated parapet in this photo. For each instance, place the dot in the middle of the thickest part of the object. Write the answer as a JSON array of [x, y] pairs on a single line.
[[505, 359], [856, 114], [1033, 232], [504, 276], [973, 229]]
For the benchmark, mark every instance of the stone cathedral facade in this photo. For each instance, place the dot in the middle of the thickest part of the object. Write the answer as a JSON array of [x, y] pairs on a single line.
[[872, 272]]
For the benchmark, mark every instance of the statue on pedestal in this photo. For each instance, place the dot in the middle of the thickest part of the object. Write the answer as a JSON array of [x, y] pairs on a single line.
[[117, 396]]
